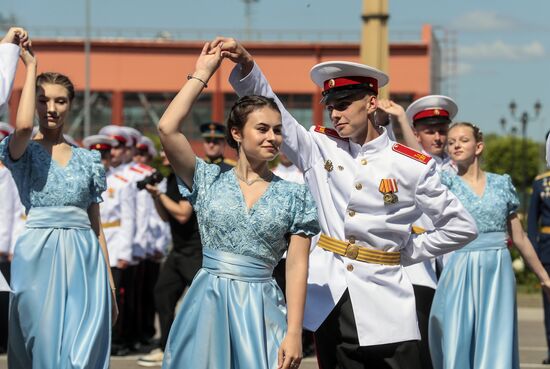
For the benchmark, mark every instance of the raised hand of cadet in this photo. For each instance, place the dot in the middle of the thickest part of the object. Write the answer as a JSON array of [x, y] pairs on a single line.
[[234, 51], [391, 107], [18, 36]]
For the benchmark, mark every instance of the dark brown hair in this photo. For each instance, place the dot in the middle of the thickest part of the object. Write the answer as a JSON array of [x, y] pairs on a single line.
[[242, 109], [478, 135], [54, 78]]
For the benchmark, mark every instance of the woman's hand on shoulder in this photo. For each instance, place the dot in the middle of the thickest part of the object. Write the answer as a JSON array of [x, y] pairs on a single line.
[[290, 352]]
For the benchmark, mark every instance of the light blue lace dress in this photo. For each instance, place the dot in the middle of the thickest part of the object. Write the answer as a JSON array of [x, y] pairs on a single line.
[[60, 314], [473, 321], [234, 314]]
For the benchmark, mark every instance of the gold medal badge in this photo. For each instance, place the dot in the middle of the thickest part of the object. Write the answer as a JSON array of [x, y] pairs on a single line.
[[388, 188], [111, 192], [328, 166]]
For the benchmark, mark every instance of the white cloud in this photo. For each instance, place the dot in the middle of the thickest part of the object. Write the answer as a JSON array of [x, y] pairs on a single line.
[[499, 50], [480, 20], [460, 69]]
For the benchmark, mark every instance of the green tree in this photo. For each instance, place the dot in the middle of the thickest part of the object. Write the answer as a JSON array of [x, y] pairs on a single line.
[[505, 154]]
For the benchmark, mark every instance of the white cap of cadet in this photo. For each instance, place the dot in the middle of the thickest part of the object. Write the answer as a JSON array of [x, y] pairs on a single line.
[[342, 78], [99, 142], [432, 109], [145, 143], [133, 133], [117, 133]]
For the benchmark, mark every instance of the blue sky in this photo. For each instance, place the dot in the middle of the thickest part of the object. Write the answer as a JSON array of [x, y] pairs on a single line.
[[503, 46]]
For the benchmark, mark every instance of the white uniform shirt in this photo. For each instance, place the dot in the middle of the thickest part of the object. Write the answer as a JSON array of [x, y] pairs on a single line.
[[12, 215], [548, 151], [423, 274], [9, 55], [144, 208], [159, 229], [118, 206], [290, 173], [350, 205], [9, 201]]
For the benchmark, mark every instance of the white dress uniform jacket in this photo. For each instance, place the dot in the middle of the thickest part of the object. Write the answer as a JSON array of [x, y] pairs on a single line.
[[8, 195], [423, 274], [11, 213], [9, 55], [351, 206], [159, 230], [117, 212], [290, 173], [144, 208]]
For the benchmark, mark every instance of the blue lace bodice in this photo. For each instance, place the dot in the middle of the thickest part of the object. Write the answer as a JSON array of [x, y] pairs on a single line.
[[42, 182], [226, 224], [492, 209]]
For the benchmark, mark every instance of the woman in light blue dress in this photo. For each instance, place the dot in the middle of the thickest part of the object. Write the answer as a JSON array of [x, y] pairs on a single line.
[[234, 314], [60, 308], [473, 321]]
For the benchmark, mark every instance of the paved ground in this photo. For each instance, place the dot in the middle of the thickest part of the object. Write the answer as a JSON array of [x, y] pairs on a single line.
[[531, 339]]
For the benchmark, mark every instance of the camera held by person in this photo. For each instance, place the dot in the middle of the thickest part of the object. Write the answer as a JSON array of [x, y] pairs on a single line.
[[152, 180]]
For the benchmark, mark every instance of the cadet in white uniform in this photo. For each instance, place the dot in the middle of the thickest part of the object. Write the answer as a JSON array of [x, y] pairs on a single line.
[[430, 117], [156, 232], [11, 215], [369, 191], [118, 217]]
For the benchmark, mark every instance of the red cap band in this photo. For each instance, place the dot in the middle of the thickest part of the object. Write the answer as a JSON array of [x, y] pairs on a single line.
[[350, 81], [3, 132], [120, 139], [100, 146], [431, 113], [142, 147]]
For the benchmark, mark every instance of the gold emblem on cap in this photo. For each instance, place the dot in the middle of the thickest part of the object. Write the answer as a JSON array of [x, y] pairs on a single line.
[[437, 112], [371, 85], [331, 83]]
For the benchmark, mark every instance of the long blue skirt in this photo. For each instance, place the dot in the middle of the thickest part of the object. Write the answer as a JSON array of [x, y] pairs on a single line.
[[232, 317], [473, 321], [60, 308]]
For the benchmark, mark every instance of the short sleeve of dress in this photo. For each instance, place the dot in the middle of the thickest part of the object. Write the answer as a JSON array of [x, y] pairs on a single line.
[[205, 174], [511, 195], [99, 183], [20, 167], [305, 214], [447, 178]]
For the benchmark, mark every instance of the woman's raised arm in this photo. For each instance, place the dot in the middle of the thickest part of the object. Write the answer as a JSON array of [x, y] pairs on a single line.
[[25, 111], [177, 147]]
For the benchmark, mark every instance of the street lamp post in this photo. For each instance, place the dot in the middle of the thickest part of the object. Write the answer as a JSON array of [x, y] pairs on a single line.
[[523, 121]]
